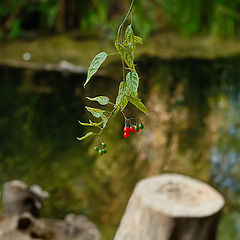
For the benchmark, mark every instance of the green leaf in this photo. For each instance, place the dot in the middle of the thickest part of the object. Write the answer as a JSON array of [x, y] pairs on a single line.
[[132, 82], [138, 40], [129, 35], [91, 124], [95, 111], [125, 55], [120, 92], [84, 124], [105, 120], [95, 124], [138, 103], [87, 135], [115, 113], [125, 43], [95, 64], [124, 102], [122, 98], [100, 99]]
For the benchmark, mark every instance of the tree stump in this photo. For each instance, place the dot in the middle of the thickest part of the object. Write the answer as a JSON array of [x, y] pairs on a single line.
[[171, 207]]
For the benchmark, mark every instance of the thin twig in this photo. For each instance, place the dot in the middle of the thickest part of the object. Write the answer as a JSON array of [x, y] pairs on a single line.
[[124, 20], [125, 118], [107, 121], [110, 54]]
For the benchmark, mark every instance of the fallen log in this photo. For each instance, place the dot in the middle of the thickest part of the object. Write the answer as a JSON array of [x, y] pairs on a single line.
[[171, 207], [26, 227], [20, 220], [18, 198]]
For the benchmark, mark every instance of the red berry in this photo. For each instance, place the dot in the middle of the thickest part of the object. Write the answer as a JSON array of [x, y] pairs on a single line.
[[126, 129], [126, 134], [132, 129]]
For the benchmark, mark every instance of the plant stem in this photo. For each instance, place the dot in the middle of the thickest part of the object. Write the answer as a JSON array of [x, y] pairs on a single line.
[[125, 118], [124, 20], [110, 54], [107, 121]]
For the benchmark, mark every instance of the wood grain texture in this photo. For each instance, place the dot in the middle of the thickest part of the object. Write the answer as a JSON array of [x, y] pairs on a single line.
[[171, 207]]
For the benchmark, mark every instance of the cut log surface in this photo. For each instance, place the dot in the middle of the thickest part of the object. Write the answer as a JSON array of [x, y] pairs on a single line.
[[171, 207]]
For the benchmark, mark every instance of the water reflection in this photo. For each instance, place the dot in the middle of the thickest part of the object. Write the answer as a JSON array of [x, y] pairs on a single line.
[[193, 128], [225, 154]]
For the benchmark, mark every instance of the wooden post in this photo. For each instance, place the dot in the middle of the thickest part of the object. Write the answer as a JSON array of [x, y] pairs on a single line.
[[171, 207]]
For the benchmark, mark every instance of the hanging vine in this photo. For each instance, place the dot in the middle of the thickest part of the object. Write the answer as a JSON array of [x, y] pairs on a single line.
[[125, 45]]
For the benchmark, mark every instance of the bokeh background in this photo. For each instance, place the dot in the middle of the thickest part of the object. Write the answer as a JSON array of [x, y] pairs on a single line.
[[189, 68]]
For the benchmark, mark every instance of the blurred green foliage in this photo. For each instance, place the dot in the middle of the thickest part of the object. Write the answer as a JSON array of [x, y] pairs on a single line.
[[217, 17]]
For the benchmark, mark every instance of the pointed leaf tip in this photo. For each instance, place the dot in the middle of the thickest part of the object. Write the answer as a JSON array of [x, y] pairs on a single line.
[[138, 104], [85, 136], [95, 64], [103, 100], [95, 111]]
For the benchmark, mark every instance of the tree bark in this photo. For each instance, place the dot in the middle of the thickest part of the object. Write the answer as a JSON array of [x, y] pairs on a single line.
[[171, 207]]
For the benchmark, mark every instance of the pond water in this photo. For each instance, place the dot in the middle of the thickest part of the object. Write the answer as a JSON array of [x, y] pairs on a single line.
[[193, 128]]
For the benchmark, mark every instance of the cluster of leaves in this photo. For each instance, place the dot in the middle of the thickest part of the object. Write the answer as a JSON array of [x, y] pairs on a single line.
[[128, 88]]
